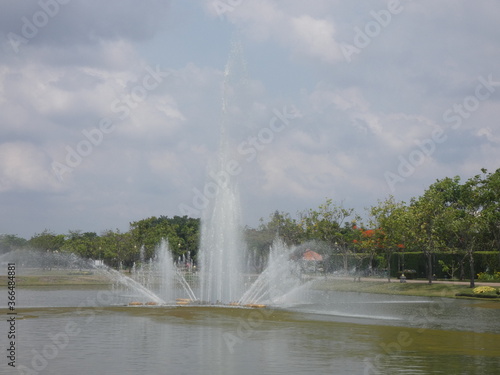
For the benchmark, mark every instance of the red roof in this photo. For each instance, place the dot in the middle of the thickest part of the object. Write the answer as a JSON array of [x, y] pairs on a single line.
[[311, 255]]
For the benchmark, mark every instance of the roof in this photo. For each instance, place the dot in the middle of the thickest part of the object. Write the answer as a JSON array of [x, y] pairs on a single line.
[[311, 255]]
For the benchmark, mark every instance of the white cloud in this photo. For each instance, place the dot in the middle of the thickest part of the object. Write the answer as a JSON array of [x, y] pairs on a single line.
[[315, 38], [357, 120], [23, 166], [305, 35]]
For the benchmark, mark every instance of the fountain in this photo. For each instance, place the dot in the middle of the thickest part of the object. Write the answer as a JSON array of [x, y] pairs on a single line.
[[159, 275], [222, 249], [281, 276]]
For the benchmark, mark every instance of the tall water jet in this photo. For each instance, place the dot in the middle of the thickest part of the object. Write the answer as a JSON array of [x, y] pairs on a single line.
[[221, 246], [221, 250]]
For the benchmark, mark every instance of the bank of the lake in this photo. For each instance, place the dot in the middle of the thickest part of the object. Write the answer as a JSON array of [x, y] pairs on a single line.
[[32, 277], [449, 289], [420, 288]]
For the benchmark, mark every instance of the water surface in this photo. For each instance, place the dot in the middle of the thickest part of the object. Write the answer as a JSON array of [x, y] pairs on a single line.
[[319, 333]]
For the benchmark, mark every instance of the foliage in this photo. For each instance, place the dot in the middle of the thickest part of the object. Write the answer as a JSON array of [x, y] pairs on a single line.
[[484, 276], [389, 217], [11, 242], [331, 224], [451, 230], [182, 233], [47, 241], [484, 289]]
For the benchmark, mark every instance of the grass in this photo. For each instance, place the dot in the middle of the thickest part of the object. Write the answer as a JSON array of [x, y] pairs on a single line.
[[55, 278], [408, 289], [31, 277]]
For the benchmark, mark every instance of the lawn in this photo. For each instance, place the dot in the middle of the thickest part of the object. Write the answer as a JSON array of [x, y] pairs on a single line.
[[395, 287]]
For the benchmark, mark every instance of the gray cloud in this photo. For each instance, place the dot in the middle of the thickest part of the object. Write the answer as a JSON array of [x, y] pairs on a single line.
[[359, 119]]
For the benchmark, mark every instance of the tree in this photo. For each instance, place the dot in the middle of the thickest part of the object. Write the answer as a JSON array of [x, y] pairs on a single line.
[[432, 216], [479, 219], [11, 242], [149, 233], [84, 245], [283, 225], [118, 249], [389, 218], [47, 241], [366, 244], [489, 202], [329, 223]]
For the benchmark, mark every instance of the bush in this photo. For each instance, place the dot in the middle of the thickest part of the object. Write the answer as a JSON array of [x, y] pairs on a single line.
[[483, 276], [409, 274], [484, 290]]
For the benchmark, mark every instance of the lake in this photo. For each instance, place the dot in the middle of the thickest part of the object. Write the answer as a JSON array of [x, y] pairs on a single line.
[[92, 330]]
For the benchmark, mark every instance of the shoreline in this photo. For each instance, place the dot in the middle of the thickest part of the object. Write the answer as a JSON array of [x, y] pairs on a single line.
[[421, 288], [438, 288], [51, 278]]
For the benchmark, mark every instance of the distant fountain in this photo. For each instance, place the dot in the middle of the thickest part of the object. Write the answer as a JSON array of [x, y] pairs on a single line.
[[159, 276], [169, 275], [131, 284]]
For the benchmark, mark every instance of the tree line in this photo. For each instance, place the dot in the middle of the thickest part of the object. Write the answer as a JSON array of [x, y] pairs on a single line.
[[115, 248], [452, 216]]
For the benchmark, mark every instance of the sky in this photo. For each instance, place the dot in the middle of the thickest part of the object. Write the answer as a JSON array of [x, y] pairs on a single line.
[[110, 112]]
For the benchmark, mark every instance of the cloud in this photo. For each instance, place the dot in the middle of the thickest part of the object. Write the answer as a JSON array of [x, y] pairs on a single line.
[[59, 23], [357, 119], [305, 35], [315, 38], [23, 166]]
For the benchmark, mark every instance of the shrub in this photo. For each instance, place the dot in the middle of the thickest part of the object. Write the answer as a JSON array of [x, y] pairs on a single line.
[[409, 274], [484, 276], [484, 289]]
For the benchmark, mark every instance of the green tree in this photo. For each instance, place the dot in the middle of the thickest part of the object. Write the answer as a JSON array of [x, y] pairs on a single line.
[[11, 242], [489, 202], [283, 225], [47, 241], [259, 240], [149, 233], [441, 219], [84, 245], [390, 222], [183, 234], [332, 224], [118, 249]]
